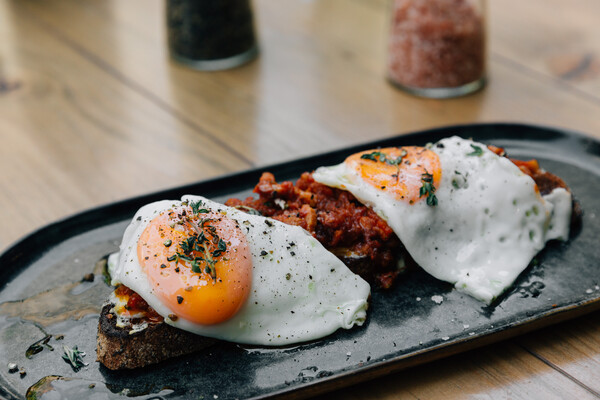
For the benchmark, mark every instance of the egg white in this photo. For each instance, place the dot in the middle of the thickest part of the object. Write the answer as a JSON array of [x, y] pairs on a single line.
[[299, 292], [488, 224]]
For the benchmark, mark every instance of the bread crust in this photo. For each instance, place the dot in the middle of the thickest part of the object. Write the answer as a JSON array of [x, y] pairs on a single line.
[[118, 349]]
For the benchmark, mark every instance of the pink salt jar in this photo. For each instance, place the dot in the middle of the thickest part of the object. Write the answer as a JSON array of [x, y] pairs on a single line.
[[437, 48]]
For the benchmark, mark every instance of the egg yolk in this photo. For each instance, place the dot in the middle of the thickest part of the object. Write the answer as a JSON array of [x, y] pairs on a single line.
[[401, 171], [199, 264]]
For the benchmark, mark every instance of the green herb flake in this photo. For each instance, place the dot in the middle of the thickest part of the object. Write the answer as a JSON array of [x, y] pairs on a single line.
[[196, 267], [477, 151], [197, 208], [168, 242], [74, 357], [428, 189], [378, 156], [432, 200]]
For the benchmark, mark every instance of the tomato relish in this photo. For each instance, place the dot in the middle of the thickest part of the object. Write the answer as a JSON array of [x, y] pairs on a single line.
[[137, 305], [344, 226]]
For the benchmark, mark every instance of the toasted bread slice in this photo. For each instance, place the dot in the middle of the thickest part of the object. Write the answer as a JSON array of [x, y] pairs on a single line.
[[117, 348]]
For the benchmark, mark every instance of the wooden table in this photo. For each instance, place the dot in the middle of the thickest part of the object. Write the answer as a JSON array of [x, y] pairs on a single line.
[[92, 111]]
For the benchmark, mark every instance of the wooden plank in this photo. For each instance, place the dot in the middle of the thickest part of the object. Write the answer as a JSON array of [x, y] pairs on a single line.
[[74, 137], [551, 38], [499, 372], [572, 347], [302, 95]]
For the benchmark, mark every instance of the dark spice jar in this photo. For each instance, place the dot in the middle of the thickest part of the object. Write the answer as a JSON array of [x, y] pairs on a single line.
[[211, 34], [438, 47]]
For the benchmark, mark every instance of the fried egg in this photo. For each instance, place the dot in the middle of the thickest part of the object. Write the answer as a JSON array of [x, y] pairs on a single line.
[[221, 273], [466, 215]]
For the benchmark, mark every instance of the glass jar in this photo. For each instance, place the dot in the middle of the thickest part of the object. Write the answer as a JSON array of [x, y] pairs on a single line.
[[211, 34], [437, 48]]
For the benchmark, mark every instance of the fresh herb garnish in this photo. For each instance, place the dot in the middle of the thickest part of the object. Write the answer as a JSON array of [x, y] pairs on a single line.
[[382, 157], [428, 189], [174, 257], [197, 207], [378, 156], [203, 246], [195, 266], [74, 357], [477, 151]]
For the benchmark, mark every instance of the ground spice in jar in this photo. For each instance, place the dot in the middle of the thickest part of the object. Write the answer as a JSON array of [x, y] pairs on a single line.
[[437, 44]]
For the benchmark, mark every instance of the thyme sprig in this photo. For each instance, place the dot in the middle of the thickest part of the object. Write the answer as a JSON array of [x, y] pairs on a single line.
[[382, 157], [196, 208], [378, 156], [74, 357], [428, 189], [209, 247]]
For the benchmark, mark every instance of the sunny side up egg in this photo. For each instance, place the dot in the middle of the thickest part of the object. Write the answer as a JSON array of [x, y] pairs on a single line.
[[466, 215], [221, 273]]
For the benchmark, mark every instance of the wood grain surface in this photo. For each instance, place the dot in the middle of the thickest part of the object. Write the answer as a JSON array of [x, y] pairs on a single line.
[[92, 110]]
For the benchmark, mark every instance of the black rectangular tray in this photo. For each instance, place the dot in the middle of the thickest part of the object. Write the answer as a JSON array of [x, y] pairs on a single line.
[[42, 293]]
